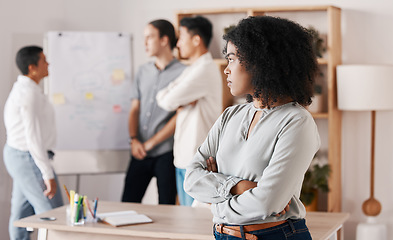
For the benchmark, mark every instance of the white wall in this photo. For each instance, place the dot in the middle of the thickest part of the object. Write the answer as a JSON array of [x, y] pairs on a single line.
[[366, 39]]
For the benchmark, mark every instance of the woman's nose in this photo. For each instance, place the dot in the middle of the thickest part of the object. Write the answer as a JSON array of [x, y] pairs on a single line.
[[226, 71]]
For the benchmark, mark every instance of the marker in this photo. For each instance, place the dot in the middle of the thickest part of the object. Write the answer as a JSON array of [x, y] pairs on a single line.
[[74, 208], [78, 208], [72, 195], [84, 206]]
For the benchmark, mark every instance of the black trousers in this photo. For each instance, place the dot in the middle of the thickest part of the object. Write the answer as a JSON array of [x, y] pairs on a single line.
[[140, 172]]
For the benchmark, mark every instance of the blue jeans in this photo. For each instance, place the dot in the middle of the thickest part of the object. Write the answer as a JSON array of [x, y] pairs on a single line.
[[293, 230], [184, 198], [27, 190]]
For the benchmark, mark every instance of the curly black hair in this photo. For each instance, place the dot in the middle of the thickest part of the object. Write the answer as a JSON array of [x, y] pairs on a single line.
[[279, 56]]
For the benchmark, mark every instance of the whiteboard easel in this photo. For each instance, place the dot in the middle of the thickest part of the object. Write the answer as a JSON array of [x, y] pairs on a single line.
[[110, 155]]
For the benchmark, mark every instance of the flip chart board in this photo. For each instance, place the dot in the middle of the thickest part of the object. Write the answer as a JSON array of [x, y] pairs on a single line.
[[89, 86]]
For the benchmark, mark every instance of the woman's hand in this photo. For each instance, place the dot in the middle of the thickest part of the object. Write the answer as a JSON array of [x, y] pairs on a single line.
[[245, 185], [242, 186], [286, 209], [211, 164]]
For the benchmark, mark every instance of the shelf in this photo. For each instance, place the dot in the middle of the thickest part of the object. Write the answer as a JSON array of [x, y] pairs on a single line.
[[322, 61], [258, 10], [320, 115], [222, 61]]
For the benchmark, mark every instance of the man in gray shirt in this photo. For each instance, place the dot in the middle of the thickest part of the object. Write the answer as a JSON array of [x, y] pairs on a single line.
[[151, 128]]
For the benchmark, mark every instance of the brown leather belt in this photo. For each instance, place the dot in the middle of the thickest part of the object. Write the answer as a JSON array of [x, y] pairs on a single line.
[[235, 230]]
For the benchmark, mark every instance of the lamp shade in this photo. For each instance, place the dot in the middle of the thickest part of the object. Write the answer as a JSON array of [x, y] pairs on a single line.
[[365, 87]]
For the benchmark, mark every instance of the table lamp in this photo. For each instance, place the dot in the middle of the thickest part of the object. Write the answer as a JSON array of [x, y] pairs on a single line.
[[367, 88]]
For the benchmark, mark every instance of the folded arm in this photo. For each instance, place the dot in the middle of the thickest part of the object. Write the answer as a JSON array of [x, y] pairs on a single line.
[[188, 88], [241, 186], [204, 185], [281, 180]]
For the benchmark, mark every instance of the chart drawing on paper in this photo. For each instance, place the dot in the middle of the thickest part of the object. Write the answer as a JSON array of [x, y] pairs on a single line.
[[89, 86]]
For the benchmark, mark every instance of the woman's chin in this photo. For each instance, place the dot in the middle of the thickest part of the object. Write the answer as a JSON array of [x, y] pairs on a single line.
[[234, 93]]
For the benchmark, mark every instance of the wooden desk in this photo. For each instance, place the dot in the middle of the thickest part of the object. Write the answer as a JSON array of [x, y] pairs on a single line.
[[170, 222]]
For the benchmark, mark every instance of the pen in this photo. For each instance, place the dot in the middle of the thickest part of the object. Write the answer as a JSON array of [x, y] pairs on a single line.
[[68, 195], [95, 207], [88, 206]]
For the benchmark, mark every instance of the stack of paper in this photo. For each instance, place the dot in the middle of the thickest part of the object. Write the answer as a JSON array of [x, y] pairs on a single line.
[[123, 218]]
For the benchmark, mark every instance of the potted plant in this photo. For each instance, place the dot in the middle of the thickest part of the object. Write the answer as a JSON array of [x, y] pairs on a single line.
[[229, 28], [315, 179], [317, 100]]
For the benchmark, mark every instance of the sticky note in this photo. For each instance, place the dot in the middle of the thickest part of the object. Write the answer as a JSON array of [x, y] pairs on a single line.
[[58, 99], [116, 108], [118, 76], [89, 96]]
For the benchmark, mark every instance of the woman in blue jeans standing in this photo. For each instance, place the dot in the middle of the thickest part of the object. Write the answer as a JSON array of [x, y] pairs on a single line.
[[253, 162], [31, 133]]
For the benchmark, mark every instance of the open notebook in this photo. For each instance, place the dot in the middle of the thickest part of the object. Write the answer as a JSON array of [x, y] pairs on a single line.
[[123, 218]]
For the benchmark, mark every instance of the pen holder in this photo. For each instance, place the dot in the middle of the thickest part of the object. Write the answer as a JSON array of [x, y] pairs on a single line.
[[90, 219], [75, 216]]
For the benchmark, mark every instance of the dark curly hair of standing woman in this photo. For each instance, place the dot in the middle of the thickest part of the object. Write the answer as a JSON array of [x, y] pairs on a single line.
[[279, 56]]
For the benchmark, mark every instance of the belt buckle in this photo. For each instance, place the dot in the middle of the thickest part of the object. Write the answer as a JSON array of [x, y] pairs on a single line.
[[219, 227]]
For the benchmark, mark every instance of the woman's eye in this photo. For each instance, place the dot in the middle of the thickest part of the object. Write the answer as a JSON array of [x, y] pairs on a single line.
[[230, 60]]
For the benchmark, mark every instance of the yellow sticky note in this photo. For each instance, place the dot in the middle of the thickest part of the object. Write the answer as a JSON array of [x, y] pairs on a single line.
[[58, 98], [118, 76], [89, 96]]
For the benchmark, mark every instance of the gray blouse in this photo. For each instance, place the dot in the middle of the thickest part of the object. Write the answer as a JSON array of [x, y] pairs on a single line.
[[276, 155]]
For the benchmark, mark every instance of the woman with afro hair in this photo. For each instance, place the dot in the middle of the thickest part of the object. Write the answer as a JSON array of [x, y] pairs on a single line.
[[252, 164]]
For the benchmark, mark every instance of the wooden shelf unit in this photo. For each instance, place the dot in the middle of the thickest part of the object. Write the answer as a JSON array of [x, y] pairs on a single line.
[[331, 114]]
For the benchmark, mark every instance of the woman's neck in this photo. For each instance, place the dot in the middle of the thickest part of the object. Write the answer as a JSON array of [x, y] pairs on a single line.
[[258, 103]]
